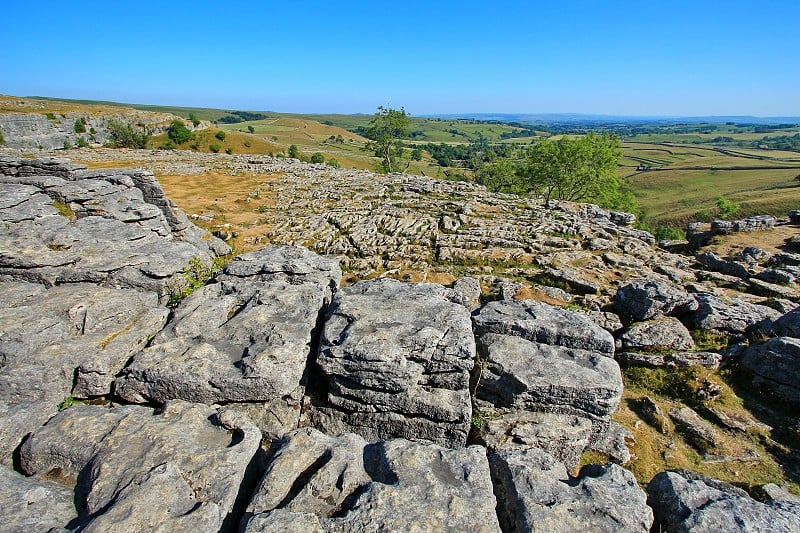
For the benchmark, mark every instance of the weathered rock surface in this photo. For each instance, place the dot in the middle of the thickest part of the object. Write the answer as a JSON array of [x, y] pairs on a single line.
[[548, 379], [182, 468], [729, 316], [656, 335], [396, 359], [68, 225], [244, 338], [700, 432], [683, 501], [774, 366], [31, 504], [320, 483], [537, 494], [789, 324], [670, 360], [648, 299]]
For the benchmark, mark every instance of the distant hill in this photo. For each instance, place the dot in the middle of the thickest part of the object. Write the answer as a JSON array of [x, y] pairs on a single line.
[[577, 118]]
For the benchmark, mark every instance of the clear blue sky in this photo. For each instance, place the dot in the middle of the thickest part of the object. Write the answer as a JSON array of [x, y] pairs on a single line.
[[682, 57]]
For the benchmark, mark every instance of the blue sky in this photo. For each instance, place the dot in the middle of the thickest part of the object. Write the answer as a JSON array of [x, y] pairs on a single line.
[[631, 58]]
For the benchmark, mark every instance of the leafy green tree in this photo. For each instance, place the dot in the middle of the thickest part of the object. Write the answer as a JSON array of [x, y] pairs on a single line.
[[251, 129], [502, 176], [576, 169], [317, 157], [726, 207], [179, 133], [386, 130], [293, 151], [194, 119], [416, 154], [124, 135]]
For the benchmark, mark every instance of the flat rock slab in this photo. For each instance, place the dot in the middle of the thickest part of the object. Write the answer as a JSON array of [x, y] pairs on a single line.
[[774, 366], [666, 333], [537, 494], [67, 225], [670, 360], [396, 358], [245, 338], [545, 324], [342, 484], [684, 501], [180, 468], [32, 504]]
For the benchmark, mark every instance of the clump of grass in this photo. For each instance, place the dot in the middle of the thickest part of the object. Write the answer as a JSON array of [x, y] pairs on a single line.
[[196, 275], [707, 340], [68, 402], [64, 209]]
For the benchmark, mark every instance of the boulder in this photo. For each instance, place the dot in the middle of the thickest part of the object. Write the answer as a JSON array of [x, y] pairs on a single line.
[[396, 359], [700, 433], [684, 501], [666, 333], [320, 483], [774, 366], [788, 325], [729, 316], [245, 338], [541, 323], [647, 299], [536, 493], [181, 468]]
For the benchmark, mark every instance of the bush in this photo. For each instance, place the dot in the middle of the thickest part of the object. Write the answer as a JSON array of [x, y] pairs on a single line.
[[82, 143], [229, 151], [2, 139], [317, 157], [179, 133], [293, 151], [726, 207], [220, 135], [68, 144], [215, 147], [666, 233], [194, 119], [332, 162], [124, 135], [169, 145], [80, 125], [251, 129]]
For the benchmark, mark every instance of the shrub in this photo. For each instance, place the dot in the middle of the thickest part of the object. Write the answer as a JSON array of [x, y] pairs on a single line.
[[169, 145], [666, 233], [215, 147], [2, 139], [317, 157], [194, 119], [293, 151], [726, 207], [179, 133], [50, 116], [229, 151], [251, 129], [68, 144], [124, 135], [80, 125], [82, 143], [220, 135], [332, 162]]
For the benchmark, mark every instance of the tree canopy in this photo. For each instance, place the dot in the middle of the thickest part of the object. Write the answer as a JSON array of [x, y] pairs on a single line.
[[386, 130], [179, 133]]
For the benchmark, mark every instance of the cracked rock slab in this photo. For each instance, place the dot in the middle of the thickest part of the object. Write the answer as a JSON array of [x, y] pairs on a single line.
[[342, 484], [182, 467], [396, 358]]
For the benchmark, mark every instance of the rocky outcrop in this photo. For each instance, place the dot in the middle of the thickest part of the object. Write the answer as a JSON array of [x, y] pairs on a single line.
[[733, 317], [683, 501], [537, 494], [656, 335], [321, 483], [648, 299], [396, 360], [180, 469], [773, 367], [31, 504]]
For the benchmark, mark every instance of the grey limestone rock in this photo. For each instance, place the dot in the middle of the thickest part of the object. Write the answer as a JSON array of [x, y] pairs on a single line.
[[729, 316], [683, 501], [343, 484], [396, 358], [536, 493], [183, 467], [774, 366], [542, 323], [570, 279], [700, 432], [788, 325], [32, 504], [671, 359], [647, 299], [729, 268], [666, 333]]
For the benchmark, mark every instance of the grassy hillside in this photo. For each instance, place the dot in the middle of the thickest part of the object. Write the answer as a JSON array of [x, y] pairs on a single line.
[[234, 142]]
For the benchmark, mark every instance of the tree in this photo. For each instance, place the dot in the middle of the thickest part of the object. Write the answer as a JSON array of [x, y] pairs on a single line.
[[726, 207], [385, 131], [293, 151], [194, 119], [317, 157], [124, 135], [179, 133], [250, 129], [576, 169], [502, 176]]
